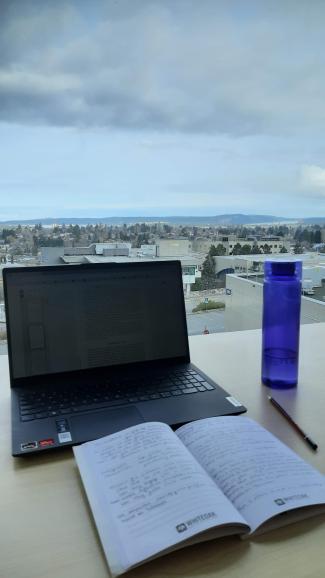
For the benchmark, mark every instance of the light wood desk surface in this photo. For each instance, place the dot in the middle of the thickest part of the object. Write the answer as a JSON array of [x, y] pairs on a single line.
[[46, 529]]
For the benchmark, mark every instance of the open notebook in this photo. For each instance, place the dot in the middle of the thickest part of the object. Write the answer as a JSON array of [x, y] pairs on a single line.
[[152, 490]]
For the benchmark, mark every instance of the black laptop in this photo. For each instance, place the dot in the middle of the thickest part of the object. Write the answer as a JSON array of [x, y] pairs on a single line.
[[96, 348]]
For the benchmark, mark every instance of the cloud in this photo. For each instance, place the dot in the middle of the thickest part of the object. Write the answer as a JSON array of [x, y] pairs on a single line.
[[186, 66], [313, 180]]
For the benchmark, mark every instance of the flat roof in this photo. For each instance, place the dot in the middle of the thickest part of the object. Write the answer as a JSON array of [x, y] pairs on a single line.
[[318, 295], [121, 259], [314, 257], [185, 260]]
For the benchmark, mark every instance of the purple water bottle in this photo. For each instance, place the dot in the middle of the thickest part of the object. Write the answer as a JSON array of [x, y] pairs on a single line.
[[281, 323]]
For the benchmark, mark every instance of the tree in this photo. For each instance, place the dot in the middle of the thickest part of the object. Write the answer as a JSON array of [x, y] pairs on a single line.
[[297, 248], [298, 234], [246, 249], [208, 267], [219, 249], [208, 272], [76, 232], [213, 250], [8, 234], [255, 249], [283, 250], [237, 250], [317, 236], [267, 249]]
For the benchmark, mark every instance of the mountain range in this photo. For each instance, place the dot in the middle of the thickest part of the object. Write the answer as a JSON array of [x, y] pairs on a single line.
[[228, 219]]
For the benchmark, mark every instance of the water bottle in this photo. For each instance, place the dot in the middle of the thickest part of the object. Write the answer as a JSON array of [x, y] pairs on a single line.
[[281, 323]]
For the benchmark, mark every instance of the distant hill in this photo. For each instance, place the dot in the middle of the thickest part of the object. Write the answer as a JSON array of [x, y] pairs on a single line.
[[229, 219], [314, 221]]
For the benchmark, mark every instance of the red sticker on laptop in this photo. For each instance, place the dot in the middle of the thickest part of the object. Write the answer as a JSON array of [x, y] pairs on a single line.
[[46, 443]]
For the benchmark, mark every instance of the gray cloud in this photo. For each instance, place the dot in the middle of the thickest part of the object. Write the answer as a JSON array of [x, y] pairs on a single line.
[[211, 67]]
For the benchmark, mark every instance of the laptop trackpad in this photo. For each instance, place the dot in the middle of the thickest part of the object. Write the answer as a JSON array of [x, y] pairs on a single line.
[[101, 423]]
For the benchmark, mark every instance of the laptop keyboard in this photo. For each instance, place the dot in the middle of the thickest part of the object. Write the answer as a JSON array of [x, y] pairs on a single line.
[[38, 404]]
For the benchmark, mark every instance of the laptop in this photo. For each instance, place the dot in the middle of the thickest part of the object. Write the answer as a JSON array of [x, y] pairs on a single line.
[[95, 348]]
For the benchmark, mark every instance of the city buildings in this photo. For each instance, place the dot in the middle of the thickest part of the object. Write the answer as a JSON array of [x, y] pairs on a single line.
[[165, 249], [231, 243], [237, 278]]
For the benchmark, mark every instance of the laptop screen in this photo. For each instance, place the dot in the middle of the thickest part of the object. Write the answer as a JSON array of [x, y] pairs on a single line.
[[66, 318]]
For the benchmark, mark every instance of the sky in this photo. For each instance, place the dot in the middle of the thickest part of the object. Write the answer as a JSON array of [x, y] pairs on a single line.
[[161, 107]]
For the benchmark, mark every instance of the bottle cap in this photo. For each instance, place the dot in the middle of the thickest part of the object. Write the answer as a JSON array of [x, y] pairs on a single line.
[[283, 269]]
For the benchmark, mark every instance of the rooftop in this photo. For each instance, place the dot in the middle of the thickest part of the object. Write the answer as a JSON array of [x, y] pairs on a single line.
[[185, 260], [312, 258], [318, 292]]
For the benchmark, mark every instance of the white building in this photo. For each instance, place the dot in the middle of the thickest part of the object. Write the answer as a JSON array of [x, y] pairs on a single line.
[[245, 301], [245, 293], [275, 244], [55, 255], [255, 263], [113, 249], [148, 251], [121, 252], [173, 247]]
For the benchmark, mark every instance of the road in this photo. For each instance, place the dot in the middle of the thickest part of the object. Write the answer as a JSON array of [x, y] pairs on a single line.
[[212, 320]]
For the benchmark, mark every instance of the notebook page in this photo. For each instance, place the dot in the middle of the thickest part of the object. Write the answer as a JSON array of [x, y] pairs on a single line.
[[259, 474], [147, 493]]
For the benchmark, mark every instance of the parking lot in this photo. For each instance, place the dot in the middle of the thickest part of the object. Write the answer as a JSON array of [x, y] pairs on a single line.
[[212, 320]]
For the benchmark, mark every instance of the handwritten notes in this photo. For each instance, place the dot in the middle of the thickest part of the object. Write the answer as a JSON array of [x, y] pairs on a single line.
[[153, 489], [258, 473]]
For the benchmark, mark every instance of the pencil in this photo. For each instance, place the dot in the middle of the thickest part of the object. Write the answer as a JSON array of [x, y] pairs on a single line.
[[298, 429]]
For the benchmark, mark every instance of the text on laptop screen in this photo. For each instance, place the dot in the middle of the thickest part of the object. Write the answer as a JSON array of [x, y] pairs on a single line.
[[70, 318]]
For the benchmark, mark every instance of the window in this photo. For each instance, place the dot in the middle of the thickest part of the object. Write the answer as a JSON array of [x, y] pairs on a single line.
[[136, 124]]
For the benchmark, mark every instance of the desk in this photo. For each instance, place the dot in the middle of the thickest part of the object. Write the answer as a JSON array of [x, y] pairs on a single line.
[[46, 530]]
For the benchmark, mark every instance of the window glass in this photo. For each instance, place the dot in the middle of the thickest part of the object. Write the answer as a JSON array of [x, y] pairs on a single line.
[[162, 130]]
